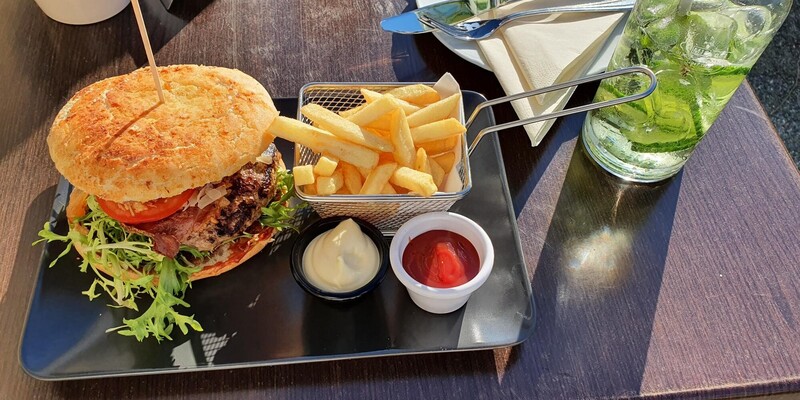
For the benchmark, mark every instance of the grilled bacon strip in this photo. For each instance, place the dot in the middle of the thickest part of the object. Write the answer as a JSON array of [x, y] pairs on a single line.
[[249, 189]]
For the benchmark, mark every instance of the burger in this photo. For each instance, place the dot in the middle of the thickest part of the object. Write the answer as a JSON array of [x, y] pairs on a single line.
[[170, 192]]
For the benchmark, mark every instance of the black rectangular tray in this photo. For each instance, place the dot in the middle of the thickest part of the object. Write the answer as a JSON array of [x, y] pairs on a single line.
[[257, 315]]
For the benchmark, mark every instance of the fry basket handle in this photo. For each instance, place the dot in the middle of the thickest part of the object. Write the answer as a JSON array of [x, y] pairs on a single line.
[[569, 111]]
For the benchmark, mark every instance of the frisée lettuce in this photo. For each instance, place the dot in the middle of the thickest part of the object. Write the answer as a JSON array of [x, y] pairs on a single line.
[[134, 271], [132, 267]]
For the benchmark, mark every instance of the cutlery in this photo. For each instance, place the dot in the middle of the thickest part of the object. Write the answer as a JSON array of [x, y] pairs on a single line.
[[477, 30], [451, 12]]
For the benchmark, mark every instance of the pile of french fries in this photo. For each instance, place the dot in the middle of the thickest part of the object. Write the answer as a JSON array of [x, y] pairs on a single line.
[[398, 142]]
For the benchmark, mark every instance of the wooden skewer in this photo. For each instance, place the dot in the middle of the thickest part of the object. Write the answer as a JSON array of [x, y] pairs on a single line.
[[137, 11]]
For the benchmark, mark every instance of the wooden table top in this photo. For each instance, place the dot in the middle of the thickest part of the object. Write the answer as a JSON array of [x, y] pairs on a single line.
[[682, 289]]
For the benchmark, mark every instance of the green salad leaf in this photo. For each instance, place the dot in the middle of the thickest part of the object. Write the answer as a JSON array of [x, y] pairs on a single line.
[[279, 214], [133, 266], [123, 253]]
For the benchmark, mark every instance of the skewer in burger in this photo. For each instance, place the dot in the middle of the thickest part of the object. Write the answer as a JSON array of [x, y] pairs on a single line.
[[167, 193]]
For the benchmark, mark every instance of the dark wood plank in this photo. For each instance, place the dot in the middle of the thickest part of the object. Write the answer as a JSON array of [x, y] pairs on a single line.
[[738, 260], [681, 289]]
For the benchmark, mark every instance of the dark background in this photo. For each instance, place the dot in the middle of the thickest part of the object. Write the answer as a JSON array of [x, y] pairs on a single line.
[[776, 81]]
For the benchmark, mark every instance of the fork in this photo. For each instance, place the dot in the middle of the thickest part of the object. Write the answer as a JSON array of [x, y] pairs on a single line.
[[482, 29]]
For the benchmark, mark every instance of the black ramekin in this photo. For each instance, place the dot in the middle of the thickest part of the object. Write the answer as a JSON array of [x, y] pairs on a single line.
[[321, 226]]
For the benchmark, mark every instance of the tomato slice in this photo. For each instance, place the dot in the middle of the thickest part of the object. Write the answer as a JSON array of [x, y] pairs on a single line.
[[132, 212]]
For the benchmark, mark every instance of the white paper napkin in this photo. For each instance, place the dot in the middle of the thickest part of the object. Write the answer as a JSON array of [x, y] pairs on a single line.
[[536, 52], [447, 86]]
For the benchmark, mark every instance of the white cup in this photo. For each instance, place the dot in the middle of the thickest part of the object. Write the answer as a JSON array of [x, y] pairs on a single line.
[[441, 300], [81, 12]]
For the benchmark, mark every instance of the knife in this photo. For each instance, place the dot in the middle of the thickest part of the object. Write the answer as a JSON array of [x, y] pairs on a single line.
[[449, 12]]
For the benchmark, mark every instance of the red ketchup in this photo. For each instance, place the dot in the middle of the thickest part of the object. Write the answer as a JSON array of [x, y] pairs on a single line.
[[441, 259]]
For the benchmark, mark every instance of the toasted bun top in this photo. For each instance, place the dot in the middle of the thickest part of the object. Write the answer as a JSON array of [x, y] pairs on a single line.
[[114, 140]]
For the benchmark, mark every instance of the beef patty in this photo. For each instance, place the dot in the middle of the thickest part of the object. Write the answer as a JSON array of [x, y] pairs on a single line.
[[249, 189]]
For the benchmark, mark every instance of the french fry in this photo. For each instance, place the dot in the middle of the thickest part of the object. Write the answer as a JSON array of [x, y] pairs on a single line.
[[352, 178], [399, 189], [323, 142], [303, 175], [373, 111], [437, 172], [381, 124], [414, 181], [372, 96], [434, 112], [330, 184], [378, 178], [440, 146], [388, 189], [341, 127], [401, 138], [418, 94], [437, 130], [374, 148], [446, 160], [351, 111], [364, 172], [384, 158], [421, 163], [380, 132], [325, 166]]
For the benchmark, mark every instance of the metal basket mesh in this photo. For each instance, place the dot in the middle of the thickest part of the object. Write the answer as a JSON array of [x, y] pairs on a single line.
[[387, 212]]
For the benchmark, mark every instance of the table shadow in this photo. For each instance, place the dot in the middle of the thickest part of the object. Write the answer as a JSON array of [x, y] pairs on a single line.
[[14, 303], [335, 379], [37, 54], [597, 281], [531, 163]]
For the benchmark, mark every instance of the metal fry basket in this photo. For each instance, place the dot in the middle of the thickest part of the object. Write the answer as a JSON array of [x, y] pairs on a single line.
[[389, 211], [385, 211]]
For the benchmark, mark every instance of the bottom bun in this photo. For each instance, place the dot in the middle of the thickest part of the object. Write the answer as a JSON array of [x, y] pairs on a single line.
[[223, 259], [240, 251]]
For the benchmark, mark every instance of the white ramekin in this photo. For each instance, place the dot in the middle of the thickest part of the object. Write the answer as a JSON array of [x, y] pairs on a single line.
[[441, 300], [81, 12]]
